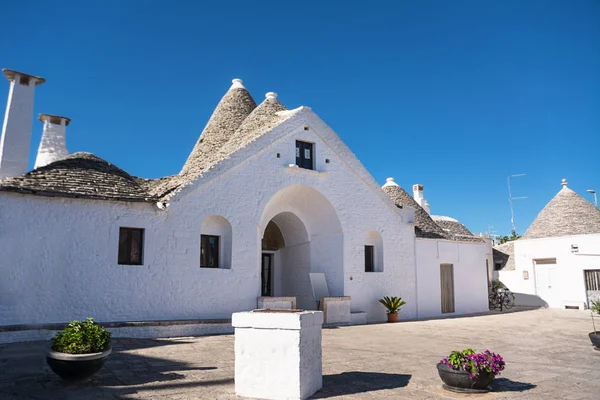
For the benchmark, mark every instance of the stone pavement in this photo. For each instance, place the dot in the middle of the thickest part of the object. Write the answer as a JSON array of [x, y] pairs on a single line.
[[548, 356]]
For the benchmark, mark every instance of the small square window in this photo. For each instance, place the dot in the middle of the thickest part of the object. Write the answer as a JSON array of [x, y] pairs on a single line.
[[369, 258], [131, 246], [209, 251], [304, 155]]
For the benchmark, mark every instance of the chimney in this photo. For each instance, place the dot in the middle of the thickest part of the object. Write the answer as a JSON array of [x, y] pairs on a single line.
[[16, 131], [418, 196], [53, 145]]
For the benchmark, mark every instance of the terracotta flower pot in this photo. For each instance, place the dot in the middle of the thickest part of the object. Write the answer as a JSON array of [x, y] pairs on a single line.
[[392, 317]]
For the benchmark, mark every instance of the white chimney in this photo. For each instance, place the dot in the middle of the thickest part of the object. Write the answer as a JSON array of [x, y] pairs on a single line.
[[418, 196], [16, 131], [53, 146]]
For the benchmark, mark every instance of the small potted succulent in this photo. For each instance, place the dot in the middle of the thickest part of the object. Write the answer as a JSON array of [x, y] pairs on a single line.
[[595, 336], [470, 372], [392, 304], [80, 350]]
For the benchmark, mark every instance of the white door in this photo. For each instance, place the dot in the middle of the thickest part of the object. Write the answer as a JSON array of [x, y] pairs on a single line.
[[546, 282]]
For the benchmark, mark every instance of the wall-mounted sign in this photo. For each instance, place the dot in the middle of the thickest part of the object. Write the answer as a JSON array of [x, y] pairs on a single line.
[[574, 248], [525, 275]]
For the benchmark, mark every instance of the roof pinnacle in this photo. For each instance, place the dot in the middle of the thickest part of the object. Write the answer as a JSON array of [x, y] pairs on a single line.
[[564, 182], [237, 84], [271, 95]]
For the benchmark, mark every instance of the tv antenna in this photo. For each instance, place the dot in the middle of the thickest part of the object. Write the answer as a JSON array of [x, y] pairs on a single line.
[[511, 199]]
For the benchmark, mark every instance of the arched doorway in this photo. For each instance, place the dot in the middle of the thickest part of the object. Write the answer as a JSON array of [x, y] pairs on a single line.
[[301, 233]]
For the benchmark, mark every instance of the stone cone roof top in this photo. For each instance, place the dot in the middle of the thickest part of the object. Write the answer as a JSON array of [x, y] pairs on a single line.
[[425, 227], [232, 110], [504, 254], [455, 229], [80, 175], [565, 215]]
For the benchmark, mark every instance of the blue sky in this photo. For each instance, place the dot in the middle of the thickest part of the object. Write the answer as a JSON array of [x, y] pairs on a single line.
[[455, 95]]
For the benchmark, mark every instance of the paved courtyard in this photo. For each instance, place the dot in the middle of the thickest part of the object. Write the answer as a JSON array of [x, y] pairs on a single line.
[[548, 356]]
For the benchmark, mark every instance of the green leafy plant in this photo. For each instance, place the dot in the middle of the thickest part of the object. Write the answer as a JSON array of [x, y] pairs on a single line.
[[595, 309], [82, 337], [392, 304], [498, 283]]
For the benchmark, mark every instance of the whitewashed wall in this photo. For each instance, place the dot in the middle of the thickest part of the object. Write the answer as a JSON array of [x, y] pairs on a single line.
[[470, 276], [570, 266], [59, 256]]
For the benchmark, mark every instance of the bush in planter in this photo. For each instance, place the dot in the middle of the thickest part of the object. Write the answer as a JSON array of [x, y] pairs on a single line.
[[80, 350], [82, 337], [470, 372]]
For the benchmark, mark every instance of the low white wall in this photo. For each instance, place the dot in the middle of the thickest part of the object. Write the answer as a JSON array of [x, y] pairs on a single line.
[[470, 276], [138, 332]]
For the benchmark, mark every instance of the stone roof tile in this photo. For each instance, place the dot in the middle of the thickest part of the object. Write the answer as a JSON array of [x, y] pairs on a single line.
[[80, 175]]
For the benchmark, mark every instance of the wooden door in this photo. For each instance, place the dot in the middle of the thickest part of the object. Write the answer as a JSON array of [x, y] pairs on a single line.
[[447, 285]]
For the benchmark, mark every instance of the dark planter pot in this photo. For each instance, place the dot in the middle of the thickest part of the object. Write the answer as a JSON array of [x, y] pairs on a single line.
[[459, 380], [76, 367], [392, 317], [595, 339]]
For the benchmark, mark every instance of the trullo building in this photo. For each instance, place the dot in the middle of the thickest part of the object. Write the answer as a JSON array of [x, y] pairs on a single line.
[[267, 197]]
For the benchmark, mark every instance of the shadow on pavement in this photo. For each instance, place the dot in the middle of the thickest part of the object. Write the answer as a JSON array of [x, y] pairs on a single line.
[[506, 385], [348, 383]]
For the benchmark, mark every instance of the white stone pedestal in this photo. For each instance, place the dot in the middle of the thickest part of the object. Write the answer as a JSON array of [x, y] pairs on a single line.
[[278, 353]]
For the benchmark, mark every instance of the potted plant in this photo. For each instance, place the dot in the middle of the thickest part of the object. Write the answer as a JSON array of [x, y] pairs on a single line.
[[392, 304], [595, 336], [80, 350], [470, 372]]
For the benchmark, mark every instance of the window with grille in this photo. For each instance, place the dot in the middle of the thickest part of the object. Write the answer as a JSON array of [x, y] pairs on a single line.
[[592, 279], [131, 246]]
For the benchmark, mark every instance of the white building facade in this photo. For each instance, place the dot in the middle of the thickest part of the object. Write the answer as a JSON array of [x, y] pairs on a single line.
[[267, 197], [557, 261]]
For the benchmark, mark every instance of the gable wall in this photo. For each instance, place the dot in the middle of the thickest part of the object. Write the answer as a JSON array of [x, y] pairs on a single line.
[[59, 256]]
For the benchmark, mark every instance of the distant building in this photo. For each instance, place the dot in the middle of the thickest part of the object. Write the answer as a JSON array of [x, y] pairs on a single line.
[[266, 197], [557, 260]]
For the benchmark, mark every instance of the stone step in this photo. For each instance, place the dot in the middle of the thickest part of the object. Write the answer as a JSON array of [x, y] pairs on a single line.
[[358, 318]]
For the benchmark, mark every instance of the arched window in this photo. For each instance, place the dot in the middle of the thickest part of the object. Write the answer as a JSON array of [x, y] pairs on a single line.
[[215, 243], [373, 252]]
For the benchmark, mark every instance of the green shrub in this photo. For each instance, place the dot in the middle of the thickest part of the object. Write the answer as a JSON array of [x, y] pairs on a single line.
[[392, 304], [596, 306], [82, 337], [497, 283]]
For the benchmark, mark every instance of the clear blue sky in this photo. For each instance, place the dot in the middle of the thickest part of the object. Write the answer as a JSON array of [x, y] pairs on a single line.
[[455, 95]]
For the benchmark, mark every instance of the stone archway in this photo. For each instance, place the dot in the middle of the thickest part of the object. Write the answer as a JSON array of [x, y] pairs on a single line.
[[301, 233]]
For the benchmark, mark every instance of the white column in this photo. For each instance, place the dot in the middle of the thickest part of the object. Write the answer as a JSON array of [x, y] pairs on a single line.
[[278, 354]]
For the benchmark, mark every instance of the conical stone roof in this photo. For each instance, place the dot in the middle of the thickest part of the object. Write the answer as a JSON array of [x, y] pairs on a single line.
[[232, 110], [565, 215], [425, 227]]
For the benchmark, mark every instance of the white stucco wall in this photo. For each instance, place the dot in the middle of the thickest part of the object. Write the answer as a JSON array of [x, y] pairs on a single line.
[[470, 276], [570, 267], [59, 256]]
